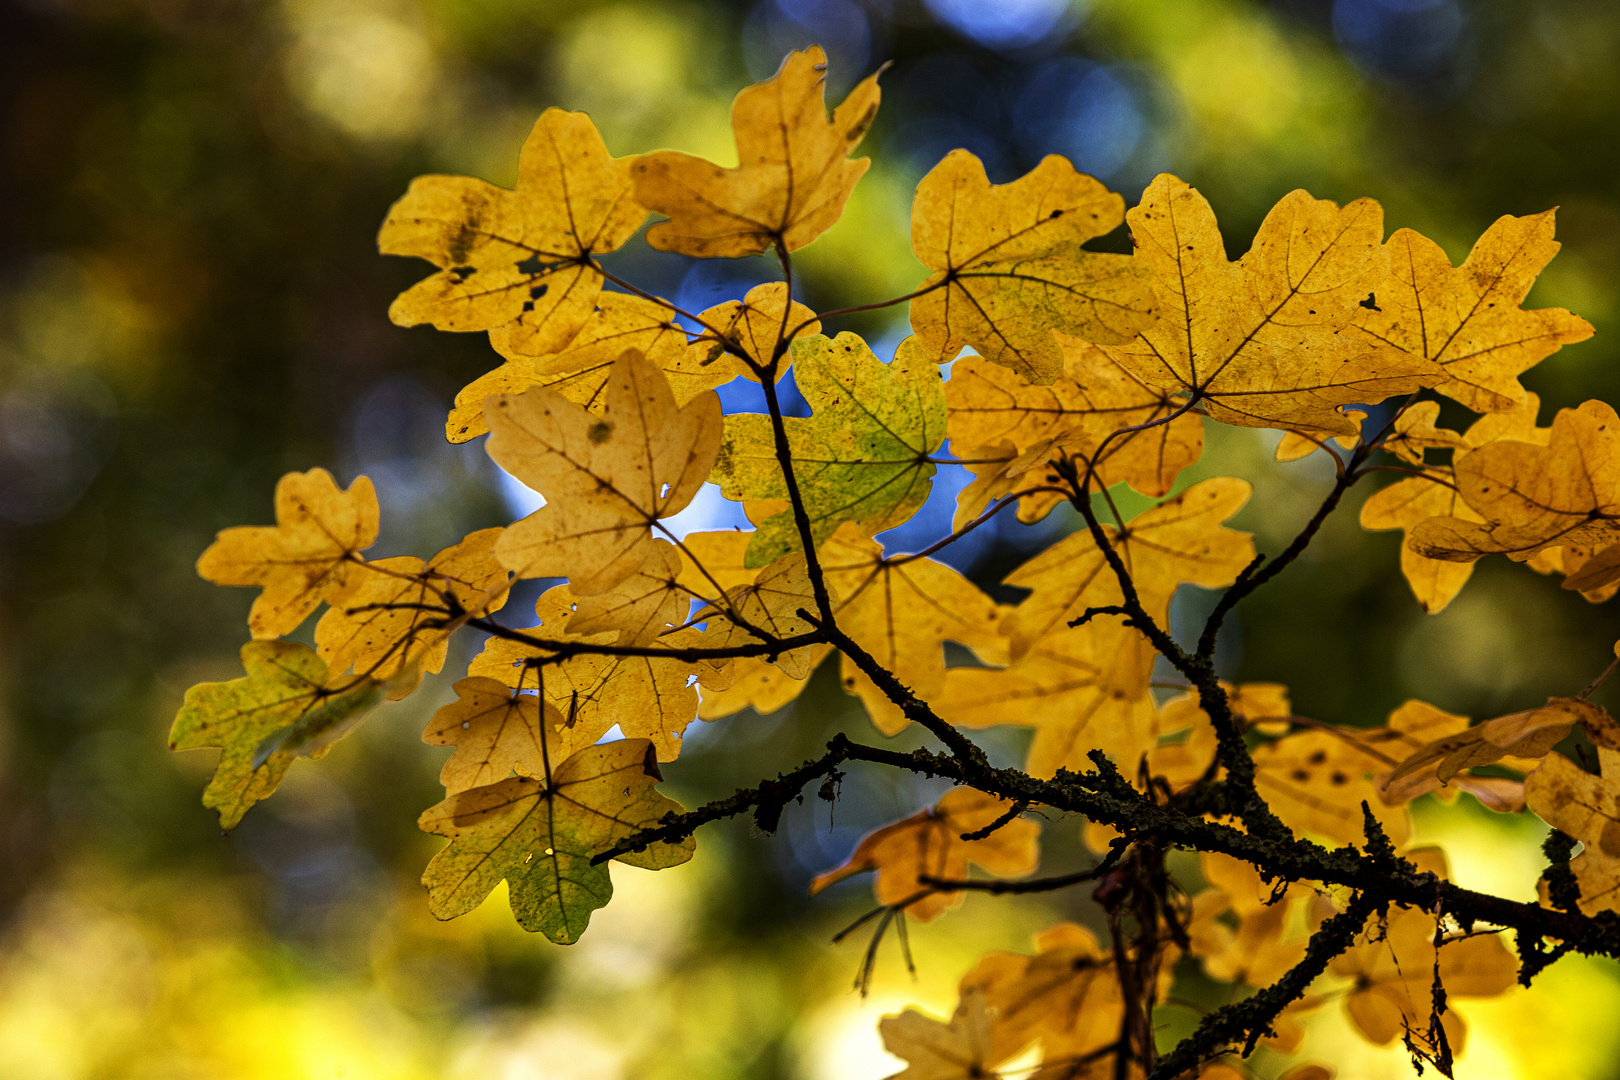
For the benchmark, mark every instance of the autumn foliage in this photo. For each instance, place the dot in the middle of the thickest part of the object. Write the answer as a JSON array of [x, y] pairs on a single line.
[[1088, 370]]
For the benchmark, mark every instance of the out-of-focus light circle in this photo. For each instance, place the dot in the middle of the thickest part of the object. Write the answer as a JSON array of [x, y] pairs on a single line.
[[1085, 112], [1002, 24], [1406, 39], [777, 27]]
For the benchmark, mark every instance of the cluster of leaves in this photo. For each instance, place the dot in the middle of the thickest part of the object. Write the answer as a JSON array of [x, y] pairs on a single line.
[[1087, 371]]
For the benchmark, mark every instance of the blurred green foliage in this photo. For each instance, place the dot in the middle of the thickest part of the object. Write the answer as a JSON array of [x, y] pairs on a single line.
[[191, 304]]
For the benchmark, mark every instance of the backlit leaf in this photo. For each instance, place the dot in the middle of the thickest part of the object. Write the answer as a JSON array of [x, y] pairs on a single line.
[[961, 1049], [861, 456], [540, 833], [394, 616], [1259, 341], [1535, 497], [308, 556], [606, 478], [649, 697], [281, 709], [793, 174], [1182, 540], [519, 257], [1009, 269], [929, 844], [1467, 319]]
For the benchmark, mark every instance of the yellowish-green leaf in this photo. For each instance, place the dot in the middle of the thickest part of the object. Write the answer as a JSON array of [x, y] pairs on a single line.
[[539, 834], [862, 455], [281, 709]]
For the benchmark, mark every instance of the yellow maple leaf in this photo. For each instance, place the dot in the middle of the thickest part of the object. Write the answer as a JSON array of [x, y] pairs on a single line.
[[1297, 444], [394, 616], [1467, 318], [1270, 936], [1395, 966], [714, 563], [1315, 782], [607, 478], [1181, 761], [620, 322], [648, 697], [1008, 266], [1414, 432], [1179, 541], [1081, 690], [1531, 497], [960, 1049], [1586, 806], [521, 257], [497, 734], [308, 556], [793, 174], [642, 606], [902, 610], [991, 406], [929, 844], [1410, 502], [579, 372], [1067, 995], [1259, 342], [758, 324], [1521, 736], [770, 603], [540, 833]]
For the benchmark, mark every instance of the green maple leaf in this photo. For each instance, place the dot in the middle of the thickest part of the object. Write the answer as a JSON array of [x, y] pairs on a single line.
[[861, 456], [281, 709], [540, 834]]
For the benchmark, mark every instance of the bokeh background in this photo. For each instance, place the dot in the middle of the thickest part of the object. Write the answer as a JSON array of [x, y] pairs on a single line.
[[191, 303]]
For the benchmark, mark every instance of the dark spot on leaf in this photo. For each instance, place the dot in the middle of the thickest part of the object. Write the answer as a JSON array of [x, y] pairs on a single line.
[[1371, 303], [599, 432]]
